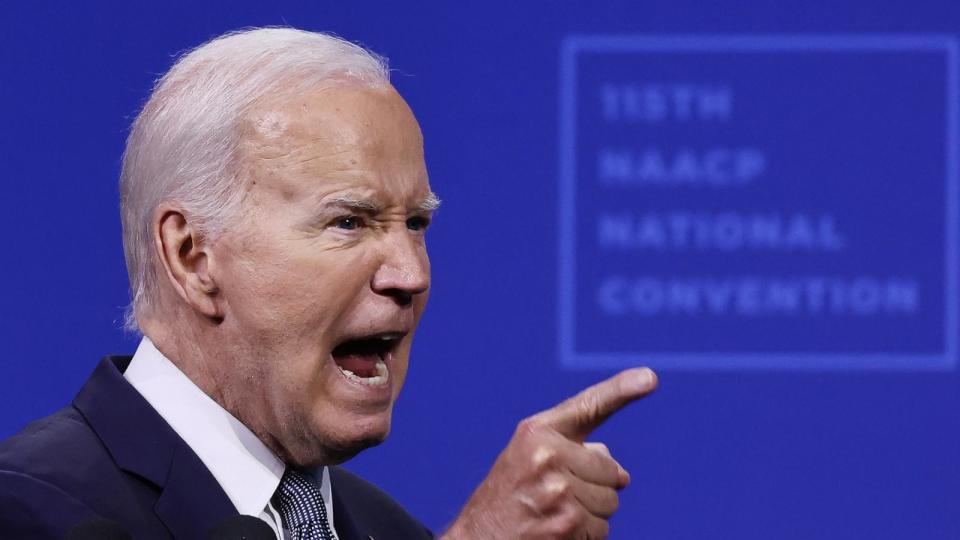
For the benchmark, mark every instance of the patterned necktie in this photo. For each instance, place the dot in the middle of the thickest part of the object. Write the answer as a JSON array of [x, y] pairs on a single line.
[[301, 507]]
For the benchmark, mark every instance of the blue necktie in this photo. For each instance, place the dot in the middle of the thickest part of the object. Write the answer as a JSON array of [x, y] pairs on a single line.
[[301, 507]]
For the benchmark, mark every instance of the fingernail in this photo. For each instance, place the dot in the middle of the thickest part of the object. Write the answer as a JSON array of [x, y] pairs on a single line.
[[650, 378], [624, 476], [643, 379]]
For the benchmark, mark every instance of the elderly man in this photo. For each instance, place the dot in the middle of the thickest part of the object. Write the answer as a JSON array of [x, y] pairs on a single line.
[[274, 205]]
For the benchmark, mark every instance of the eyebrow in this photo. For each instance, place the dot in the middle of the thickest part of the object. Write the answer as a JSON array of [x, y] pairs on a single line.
[[353, 203], [428, 205]]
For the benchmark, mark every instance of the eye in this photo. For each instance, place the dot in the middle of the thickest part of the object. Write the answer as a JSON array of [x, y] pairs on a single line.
[[417, 223], [348, 223]]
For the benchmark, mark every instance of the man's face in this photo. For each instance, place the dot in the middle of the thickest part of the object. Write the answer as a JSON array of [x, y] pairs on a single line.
[[325, 275]]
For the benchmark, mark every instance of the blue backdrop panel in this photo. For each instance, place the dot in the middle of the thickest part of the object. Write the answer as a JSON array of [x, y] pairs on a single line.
[[758, 198], [788, 201]]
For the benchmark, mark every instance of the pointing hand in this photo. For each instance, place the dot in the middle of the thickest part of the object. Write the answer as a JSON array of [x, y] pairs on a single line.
[[549, 482]]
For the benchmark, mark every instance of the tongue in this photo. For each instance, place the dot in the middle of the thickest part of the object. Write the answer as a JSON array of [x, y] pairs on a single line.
[[362, 365]]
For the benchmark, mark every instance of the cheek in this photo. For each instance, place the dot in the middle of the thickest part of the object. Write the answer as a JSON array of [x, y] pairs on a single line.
[[295, 291], [420, 305], [399, 371]]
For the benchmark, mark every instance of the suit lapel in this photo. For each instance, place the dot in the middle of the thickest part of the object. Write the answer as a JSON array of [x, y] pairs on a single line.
[[343, 520], [191, 501]]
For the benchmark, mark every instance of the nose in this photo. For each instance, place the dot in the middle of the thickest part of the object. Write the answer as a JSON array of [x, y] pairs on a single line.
[[405, 270]]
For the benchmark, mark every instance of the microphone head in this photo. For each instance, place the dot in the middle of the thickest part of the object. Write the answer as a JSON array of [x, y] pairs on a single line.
[[98, 529], [242, 527]]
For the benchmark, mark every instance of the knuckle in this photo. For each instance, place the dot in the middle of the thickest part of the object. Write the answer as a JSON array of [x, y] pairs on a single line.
[[556, 491], [588, 407], [557, 488], [573, 519], [530, 506], [561, 488], [566, 524], [543, 458], [528, 427]]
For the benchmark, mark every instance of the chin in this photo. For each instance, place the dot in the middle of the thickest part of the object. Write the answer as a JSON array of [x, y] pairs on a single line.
[[333, 448], [340, 454]]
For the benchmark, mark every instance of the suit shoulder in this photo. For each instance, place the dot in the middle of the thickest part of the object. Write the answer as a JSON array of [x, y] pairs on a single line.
[[33, 508], [372, 505], [49, 447], [61, 452]]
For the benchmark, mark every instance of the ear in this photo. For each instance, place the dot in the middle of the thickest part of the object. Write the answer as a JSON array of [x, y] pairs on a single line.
[[187, 261]]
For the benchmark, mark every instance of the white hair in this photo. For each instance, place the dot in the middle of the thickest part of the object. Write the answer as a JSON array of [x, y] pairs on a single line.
[[183, 145]]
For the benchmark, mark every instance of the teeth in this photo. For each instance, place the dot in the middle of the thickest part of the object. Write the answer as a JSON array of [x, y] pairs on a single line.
[[383, 375]]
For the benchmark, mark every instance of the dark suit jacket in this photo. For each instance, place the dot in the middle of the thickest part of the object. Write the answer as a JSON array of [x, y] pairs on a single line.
[[110, 455]]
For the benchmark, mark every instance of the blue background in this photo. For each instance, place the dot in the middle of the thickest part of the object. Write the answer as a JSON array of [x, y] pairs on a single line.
[[731, 454]]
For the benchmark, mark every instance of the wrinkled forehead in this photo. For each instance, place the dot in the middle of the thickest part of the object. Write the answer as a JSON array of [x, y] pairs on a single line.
[[342, 132], [340, 111]]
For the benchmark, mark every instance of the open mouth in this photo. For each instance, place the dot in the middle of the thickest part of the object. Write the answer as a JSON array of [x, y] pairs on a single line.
[[364, 360]]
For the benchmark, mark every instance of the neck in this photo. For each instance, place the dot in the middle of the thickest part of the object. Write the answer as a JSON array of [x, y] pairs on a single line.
[[183, 341]]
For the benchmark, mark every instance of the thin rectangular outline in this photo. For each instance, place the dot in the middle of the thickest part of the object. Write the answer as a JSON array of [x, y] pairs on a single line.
[[721, 361]]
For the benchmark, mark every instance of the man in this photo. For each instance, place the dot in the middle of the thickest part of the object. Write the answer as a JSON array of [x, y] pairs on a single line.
[[274, 200]]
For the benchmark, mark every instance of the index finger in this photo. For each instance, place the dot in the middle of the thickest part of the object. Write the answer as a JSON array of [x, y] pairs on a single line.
[[578, 416]]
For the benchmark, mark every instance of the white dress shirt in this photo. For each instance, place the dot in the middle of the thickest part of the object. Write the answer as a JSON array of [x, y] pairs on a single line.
[[245, 468]]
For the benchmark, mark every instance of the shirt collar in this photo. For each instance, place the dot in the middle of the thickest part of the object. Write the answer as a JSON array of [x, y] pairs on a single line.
[[245, 468]]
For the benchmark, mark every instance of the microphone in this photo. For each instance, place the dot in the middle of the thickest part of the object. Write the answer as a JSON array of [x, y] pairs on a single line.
[[242, 527], [98, 529]]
